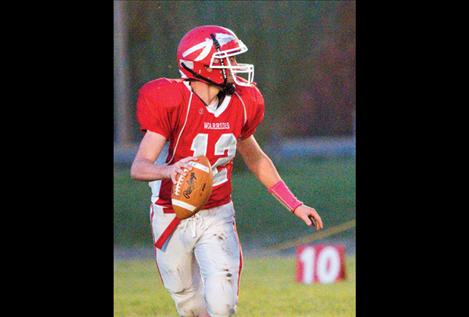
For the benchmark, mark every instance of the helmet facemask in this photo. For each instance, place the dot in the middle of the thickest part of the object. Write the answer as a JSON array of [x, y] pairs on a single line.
[[239, 68]]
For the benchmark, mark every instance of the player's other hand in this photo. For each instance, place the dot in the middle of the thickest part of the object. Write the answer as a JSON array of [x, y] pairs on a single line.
[[180, 167], [304, 213]]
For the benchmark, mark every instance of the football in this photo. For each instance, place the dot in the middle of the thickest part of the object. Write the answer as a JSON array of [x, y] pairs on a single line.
[[190, 192]]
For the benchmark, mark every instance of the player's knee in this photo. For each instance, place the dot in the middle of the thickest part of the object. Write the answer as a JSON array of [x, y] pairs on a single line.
[[194, 312], [219, 309], [189, 304], [221, 295]]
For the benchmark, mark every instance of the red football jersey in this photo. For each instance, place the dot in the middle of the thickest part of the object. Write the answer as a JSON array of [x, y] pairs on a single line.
[[170, 108]]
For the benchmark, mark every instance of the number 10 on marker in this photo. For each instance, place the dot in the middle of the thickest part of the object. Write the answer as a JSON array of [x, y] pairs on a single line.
[[320, 264]]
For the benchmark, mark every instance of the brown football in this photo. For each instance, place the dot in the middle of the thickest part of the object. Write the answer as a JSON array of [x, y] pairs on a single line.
[[191, 192]]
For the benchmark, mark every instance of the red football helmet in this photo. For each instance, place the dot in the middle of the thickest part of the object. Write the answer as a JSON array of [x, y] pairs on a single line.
[[213, 46]]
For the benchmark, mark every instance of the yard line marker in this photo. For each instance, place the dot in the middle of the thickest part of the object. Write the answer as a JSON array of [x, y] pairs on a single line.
[[313, 237]]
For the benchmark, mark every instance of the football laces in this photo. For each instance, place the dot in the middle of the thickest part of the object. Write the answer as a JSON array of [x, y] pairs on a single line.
[[179, 182]]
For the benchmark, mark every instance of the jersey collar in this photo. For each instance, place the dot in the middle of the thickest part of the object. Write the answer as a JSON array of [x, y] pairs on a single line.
[[213, 110]]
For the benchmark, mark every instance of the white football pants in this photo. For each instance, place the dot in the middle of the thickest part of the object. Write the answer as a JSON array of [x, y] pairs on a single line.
[[200, 264]]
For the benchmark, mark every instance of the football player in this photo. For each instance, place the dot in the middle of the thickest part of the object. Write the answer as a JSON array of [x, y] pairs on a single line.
[[210, 111]]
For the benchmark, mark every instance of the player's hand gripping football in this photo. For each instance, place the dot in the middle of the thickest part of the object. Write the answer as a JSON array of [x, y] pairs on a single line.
[[180, 167], [309, 216]]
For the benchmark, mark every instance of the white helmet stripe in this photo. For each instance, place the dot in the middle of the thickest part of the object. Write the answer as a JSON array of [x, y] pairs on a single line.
[[206, 45]]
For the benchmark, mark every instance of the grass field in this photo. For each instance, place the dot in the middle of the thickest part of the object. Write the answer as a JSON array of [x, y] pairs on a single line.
[[268, 288], [327, 184]]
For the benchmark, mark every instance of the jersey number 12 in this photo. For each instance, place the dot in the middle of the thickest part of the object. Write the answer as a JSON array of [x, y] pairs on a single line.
[[226, 142]]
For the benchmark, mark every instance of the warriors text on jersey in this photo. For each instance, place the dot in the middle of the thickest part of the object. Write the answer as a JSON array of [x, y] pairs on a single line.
[[170, 108]]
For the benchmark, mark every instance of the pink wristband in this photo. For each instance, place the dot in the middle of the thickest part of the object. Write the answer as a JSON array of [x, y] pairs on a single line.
[[285, 196]]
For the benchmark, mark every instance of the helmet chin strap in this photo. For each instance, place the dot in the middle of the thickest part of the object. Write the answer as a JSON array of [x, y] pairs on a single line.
[[227, 88]]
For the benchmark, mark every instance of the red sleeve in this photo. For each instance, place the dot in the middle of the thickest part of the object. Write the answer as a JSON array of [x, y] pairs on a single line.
[[156, 103], [254, 112]]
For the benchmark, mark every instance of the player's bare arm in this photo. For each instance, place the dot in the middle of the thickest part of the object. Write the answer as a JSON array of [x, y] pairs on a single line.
[[143, 167], [263, 168]]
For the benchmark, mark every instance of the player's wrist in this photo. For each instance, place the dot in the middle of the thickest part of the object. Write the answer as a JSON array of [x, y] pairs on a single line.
[[296, 208], [167, 171], [284, 195]]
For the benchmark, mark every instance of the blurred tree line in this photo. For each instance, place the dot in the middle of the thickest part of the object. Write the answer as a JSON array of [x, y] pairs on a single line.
[[303, 52]]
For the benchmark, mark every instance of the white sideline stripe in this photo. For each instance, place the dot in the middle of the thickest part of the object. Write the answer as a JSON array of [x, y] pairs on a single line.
[[183, 204], [199, 166], [312, 237]]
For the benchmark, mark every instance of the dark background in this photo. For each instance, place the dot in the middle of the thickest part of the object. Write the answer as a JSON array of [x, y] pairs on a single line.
[[303, 52]]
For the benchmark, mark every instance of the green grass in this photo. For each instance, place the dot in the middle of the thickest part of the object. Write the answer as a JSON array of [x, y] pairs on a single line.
[[327, 185], [268, 288]]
